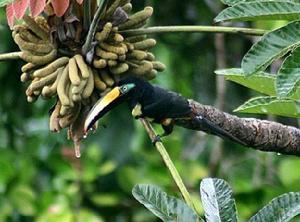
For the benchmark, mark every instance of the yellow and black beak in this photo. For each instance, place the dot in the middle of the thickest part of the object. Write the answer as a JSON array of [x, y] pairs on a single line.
[[103, 106], [107, 103]]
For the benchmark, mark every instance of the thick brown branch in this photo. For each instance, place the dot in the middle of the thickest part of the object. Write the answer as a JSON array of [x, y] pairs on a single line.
[[258, 134]]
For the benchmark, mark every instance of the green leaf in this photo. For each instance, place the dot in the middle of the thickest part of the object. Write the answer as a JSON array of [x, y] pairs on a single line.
[[293, 176], [289, 74], [280, 209], [5, 2], [23, 199], [261, 82], [167, 208], [271, 105], [267, 10], [233, 2], [218, 203], [272, 46], [89, 216], [107, 199]]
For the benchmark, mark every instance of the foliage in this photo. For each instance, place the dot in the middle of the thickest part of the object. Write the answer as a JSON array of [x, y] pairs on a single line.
[[217, 200], [37, 169], [163, 206], [218, 204], [273, 46]]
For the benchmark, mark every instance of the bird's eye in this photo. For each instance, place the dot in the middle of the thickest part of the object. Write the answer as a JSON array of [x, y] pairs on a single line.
[[124, 88]]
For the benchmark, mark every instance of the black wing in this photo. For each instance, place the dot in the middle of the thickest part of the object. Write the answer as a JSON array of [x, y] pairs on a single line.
[[164, 104]]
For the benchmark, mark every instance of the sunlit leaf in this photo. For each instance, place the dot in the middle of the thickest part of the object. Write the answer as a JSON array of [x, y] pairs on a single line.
[[218, 203], [261, 82], [60, 6], [272, 46], [293, 176], [89, 216], [107, 199], [253, 11], [37, 6], [23, 199], [107, 168], [289, 74], [280, 209], [167, 208], [271, 105]]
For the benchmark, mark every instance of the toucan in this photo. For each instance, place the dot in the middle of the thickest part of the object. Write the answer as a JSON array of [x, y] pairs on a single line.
[[153, 103]]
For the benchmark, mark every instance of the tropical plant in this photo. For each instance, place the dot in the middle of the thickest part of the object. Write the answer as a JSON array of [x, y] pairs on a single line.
[[218, 204], [45, 46]]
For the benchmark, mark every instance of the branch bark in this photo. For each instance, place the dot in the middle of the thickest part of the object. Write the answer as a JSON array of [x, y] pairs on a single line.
[[258, 134]]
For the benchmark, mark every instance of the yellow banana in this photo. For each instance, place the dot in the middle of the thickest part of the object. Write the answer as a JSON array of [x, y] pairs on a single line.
[[73, 72], [62, 87], [60, 62], [82, 66]]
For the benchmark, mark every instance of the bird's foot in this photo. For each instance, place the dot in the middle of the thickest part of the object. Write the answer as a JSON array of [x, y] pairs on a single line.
[[137, 111], [156, 140]]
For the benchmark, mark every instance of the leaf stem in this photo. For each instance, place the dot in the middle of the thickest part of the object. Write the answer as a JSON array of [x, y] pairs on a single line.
[[86, 14], [10, 56], [192, 28], [170, 165], [93, 28]]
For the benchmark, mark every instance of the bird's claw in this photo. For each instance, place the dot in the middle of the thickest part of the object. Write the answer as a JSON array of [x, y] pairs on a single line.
[[156, 140]]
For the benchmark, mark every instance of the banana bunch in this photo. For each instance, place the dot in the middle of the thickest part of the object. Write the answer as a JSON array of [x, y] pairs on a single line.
[[66, 75], [120, 56], [71, 79]]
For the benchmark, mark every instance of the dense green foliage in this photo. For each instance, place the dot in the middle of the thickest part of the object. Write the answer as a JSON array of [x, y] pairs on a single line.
[[40, 179], [280, 45], [218, 204]]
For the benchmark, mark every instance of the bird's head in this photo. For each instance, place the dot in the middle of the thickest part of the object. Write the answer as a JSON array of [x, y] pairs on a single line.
[[126, 88]]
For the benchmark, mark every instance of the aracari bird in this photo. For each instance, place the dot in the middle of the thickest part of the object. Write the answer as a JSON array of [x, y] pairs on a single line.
[[153, 103]]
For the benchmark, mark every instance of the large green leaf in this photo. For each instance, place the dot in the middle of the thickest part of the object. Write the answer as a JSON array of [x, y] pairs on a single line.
[[289, 75], [272, 46], [253, 11], [5, 2], [233, 2], [167, 208], [280, 209], [261, 82], [271, 105], [218, 203]]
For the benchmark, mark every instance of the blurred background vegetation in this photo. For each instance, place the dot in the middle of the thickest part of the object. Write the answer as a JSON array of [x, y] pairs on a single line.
[[41, 180]]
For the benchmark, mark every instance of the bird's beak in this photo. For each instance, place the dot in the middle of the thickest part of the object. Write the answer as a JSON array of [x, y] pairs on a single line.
[[102, 106]]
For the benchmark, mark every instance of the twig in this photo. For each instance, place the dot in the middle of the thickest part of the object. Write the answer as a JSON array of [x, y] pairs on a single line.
[[89, 39], [10, 56], [164, 154], [86, 14], [213, 29]]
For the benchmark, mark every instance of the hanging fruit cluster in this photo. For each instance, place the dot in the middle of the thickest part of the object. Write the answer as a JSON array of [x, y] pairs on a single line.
[[58, 66]]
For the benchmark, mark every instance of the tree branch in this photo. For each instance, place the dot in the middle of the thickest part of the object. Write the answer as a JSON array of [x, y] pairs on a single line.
[[258, 134], [10, 56], [193, 28]]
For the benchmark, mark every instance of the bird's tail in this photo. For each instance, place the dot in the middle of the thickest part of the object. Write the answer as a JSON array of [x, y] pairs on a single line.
[[209, 127]]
